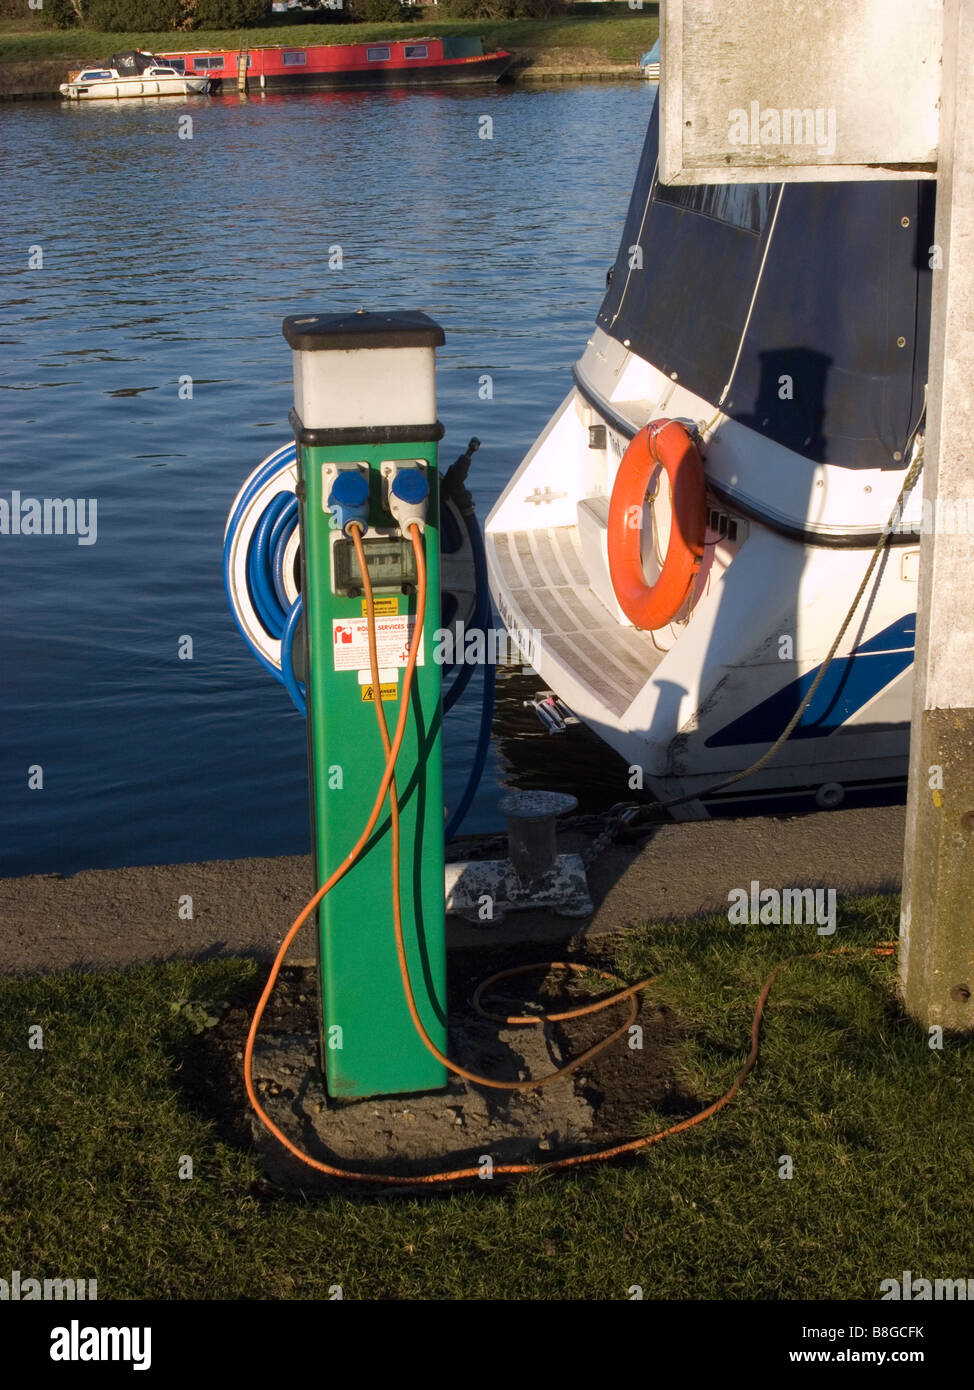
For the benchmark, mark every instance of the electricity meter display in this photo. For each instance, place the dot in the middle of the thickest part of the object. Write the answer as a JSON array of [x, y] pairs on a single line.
[[390, 559]]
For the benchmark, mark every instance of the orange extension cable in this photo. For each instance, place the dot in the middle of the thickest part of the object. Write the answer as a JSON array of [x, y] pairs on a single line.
[[387, 787]]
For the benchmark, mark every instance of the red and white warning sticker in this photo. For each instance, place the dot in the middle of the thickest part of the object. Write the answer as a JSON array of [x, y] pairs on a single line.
[[350, 642]]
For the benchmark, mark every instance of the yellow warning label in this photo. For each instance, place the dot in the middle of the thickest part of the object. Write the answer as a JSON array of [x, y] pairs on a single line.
[[387, 692], [384, 604]]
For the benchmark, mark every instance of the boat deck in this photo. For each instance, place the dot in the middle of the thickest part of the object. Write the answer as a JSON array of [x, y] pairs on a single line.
[[545, 577]]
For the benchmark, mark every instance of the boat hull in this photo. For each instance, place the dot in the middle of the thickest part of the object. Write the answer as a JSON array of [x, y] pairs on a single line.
[[452, 72], [690, 705], [134, 87]]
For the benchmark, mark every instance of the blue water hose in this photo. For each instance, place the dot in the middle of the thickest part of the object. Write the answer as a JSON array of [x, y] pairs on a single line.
[[265, 570], [488, 687], [480, 620], [291, 683]]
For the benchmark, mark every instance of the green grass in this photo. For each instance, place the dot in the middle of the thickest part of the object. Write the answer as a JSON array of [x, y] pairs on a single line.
[[577, 40], [877, 1124]]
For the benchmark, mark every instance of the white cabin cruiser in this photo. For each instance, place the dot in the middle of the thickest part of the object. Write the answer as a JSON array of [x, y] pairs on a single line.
[[133, 74], [650, 63], [758, 372]]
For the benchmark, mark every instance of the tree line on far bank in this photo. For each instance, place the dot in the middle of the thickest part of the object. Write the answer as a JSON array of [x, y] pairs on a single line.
[[131, 16]]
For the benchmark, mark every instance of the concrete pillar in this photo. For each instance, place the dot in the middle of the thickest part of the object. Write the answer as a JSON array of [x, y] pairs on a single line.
[[937, 924]]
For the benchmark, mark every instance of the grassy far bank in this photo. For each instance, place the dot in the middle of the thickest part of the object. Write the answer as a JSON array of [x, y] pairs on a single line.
[[876, 1124], [573, 40]]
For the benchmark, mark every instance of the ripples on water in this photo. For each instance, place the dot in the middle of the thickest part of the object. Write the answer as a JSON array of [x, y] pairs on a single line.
[[166, 257]]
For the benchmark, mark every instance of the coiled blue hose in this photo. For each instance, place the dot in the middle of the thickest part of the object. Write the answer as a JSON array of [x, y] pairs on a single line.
[[267, 595], [265, 571]]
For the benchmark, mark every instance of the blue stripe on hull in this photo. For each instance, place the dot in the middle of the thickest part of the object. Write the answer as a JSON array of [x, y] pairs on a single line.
[[849, 683]]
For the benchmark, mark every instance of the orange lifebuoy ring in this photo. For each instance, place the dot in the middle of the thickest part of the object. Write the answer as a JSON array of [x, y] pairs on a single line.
[[669, 443]]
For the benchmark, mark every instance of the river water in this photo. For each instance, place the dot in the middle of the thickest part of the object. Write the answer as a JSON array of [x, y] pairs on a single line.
[[167, 257]]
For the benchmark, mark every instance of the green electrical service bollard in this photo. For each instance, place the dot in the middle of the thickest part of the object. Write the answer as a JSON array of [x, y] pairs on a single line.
[[366, 431]]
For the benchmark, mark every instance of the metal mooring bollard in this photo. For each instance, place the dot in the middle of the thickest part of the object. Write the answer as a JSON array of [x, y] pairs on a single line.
[[532, 844], [534, 875]]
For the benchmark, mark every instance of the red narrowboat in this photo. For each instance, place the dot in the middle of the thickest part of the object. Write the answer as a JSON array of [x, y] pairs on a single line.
[[392, 63]]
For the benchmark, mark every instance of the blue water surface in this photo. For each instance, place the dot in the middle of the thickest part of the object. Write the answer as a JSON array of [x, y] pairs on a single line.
[[166, 257]]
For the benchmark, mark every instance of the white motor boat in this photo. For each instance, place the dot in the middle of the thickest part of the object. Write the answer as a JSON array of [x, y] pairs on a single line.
[[650, 63], [132, 74], [697, 553]]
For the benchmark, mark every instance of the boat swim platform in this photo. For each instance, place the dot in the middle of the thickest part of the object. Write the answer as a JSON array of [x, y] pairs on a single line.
[[544, 576]]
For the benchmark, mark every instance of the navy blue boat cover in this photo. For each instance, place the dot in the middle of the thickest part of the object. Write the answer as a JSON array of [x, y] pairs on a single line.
[[832, 278]]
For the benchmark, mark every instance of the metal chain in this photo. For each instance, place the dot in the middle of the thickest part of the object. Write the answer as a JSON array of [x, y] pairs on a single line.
[[625, 813]]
